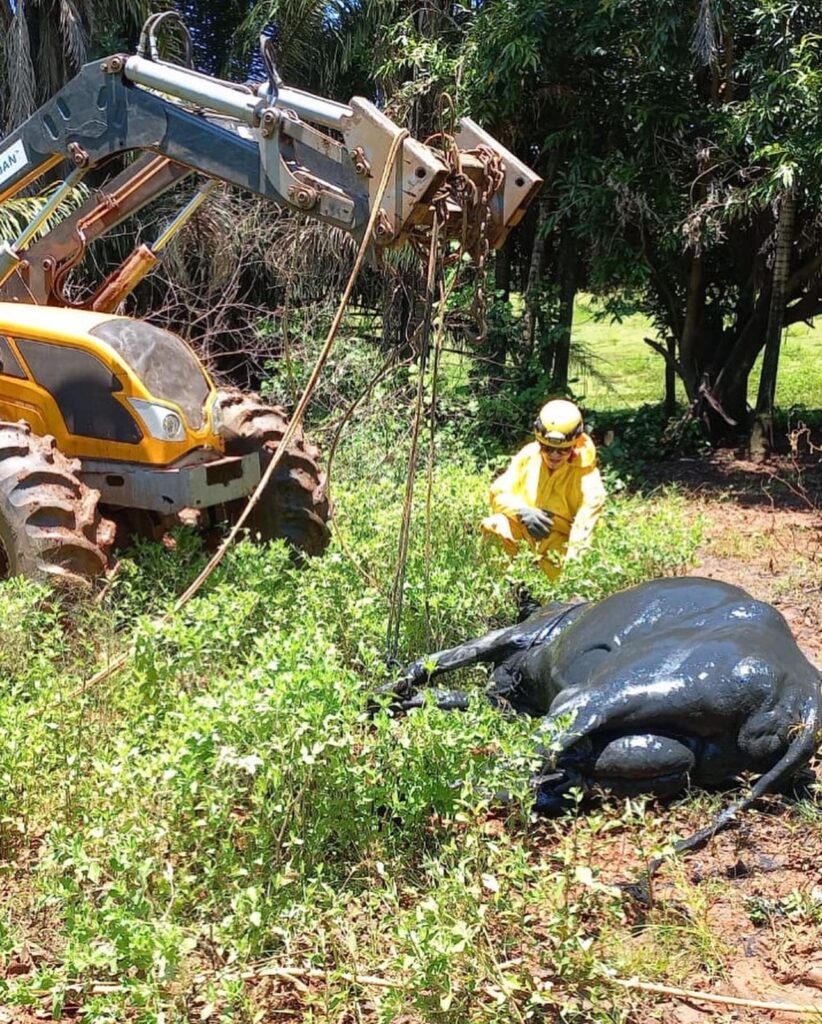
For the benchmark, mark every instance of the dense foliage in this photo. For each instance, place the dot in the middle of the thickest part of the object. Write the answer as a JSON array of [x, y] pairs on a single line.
[[671, 136]]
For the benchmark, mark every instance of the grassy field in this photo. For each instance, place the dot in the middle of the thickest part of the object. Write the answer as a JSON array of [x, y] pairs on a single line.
[[221, 833], [628, 373]]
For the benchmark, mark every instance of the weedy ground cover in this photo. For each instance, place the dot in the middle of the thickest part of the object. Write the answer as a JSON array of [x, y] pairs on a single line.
[[222, 833], [225, 806]]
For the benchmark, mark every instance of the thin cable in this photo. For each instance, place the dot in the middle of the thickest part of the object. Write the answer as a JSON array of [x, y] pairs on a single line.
[[378, 376], [396, 598], [429, 489]]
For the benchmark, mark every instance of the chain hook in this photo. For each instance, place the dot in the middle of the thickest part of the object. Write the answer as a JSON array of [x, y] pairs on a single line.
[[268, 49], [148, 46]]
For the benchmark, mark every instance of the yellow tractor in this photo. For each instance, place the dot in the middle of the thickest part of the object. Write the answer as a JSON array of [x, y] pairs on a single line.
[[111, 424], [106, 411]]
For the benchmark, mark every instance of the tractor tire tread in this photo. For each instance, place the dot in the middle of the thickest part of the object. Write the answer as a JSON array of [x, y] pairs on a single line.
[[50, 527], [295, 504]]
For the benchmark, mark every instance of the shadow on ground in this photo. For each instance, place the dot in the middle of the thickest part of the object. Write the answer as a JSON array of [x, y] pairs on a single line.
[[790, 481]]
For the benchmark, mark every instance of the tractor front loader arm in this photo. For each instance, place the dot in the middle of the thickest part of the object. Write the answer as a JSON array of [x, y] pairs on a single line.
[[268, 139], [42, 272]]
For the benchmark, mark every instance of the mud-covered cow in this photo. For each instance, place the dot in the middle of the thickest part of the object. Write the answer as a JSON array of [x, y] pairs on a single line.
[[672, 683]]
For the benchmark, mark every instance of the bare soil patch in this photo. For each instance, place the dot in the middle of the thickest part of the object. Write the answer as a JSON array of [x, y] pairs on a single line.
[[760, 885], [775, 553], [760, 911], [762, 529]]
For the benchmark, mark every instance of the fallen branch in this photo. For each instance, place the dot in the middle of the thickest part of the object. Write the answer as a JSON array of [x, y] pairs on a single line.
[[710, 997], [295, 973], [705, 391], [296, 976]]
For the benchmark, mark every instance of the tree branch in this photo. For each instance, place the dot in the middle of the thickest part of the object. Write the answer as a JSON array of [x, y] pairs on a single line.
[[804, 272], [743, 352], [666, 293], [706, 393], [666, 355], [809, 306]]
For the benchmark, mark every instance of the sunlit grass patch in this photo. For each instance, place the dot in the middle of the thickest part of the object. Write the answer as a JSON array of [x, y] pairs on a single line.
[[631, 373]]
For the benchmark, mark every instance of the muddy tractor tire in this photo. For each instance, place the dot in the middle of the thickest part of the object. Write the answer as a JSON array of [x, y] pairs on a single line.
[[294, 506], [50, 527]]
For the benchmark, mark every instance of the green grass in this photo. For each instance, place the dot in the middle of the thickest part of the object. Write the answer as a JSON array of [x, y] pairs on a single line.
[[629, 373], [225, 806]]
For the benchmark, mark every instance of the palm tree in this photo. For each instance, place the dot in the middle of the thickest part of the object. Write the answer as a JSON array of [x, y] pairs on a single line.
[[46, 42], [342, 48], [16, 213]]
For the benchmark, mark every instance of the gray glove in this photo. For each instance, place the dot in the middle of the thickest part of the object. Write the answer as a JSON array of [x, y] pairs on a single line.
[[536, 521]]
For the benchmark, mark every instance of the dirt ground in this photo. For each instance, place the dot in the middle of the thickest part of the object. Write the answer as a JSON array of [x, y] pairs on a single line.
[[763, 532]]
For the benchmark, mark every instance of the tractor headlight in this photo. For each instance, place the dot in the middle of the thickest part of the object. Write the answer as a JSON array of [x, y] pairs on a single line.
[[172, 426], [160, 421]]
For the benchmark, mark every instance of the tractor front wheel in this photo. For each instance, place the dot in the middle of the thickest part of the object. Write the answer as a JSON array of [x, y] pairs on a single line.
[[294, 505], [50, 527]]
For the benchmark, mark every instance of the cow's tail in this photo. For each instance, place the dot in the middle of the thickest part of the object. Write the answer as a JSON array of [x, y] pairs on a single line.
[[801, 749]]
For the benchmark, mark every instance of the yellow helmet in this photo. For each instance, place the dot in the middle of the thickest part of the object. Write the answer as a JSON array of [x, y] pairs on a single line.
[[559, 424]]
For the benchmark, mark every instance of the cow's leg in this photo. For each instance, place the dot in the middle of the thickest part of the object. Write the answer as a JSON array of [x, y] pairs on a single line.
[[643, 763], [423, 670], [493, 648], [625, 766], [445, 700]]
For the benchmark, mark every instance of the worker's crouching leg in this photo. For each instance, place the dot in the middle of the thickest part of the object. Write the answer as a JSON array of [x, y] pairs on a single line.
[[506, 532], [552, 552]]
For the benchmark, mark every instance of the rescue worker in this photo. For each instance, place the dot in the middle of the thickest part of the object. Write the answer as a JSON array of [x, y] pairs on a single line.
[[551, 494]]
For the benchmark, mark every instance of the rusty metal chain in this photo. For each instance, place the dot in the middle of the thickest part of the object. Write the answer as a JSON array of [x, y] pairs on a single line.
[[460, 192], [492, 181]]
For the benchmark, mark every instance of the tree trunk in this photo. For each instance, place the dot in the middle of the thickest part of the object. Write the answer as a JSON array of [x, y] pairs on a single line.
[[569, 263], [496, 345], [762, 433], [670, 378], [694, 302], [723, 388]]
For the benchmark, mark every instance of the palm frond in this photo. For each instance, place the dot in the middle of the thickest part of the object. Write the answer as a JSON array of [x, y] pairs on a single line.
[[50, 61], [706, 32], [71, 29], [320, 41], [22, 84], [17, 212]]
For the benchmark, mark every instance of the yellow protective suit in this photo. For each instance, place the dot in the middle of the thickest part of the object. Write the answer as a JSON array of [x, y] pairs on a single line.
[[573, 492]]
